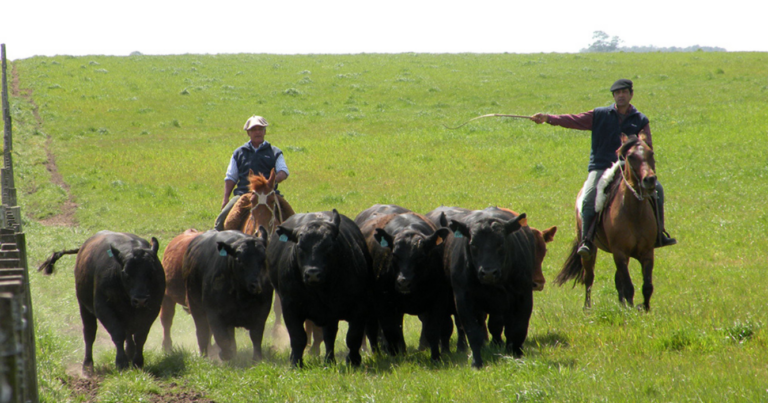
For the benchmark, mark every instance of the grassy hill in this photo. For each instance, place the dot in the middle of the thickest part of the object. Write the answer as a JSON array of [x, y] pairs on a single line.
[[142, 143]]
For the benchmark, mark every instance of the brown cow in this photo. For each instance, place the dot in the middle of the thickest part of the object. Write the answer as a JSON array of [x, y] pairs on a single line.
[[175, 291]]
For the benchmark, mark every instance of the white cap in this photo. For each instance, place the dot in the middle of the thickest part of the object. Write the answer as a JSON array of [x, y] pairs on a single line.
[[254, 121]]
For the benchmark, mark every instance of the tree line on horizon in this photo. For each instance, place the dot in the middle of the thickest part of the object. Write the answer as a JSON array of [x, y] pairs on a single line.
[[603, 43]]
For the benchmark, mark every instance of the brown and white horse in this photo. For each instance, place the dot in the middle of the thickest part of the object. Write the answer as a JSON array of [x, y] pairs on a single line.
[[626, 227]]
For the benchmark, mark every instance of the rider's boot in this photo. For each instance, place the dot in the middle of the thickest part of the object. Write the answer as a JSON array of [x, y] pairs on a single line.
[[588, 233], [663, 239]]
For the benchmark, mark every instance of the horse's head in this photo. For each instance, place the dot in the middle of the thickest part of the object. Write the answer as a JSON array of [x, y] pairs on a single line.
[[263, 202], [639, 164]]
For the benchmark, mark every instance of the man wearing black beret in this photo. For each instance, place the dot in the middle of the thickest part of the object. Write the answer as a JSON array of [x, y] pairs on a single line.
[[607, 124]]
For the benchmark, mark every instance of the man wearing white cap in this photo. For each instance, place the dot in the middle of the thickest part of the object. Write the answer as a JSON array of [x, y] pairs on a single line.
[[257, 155]]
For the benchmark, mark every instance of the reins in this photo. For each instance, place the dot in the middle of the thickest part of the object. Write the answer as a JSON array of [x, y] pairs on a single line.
[[639, 196]]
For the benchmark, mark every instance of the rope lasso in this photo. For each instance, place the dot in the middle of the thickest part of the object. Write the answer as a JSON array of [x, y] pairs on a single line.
[[488, 116]]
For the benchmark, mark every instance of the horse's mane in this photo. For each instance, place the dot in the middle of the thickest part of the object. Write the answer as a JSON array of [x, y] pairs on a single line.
[[257, 181]]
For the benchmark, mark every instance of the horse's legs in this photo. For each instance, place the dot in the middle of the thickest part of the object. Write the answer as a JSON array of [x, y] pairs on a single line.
[[623, 281], [647, 263], [589, 277]]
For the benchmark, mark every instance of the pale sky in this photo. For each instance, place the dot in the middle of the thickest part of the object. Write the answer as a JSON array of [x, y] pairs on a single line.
[[99, 27]]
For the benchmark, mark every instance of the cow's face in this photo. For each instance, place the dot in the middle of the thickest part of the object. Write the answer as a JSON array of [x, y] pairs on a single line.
[[542, 239], [137, 272], [315, 248], [411, 251], [247, 259], [487, 252]]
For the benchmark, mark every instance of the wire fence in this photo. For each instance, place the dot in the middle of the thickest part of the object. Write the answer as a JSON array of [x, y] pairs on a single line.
[[18, 365]]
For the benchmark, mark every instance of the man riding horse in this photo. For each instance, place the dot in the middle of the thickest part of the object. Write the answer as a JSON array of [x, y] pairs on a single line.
[[256, 155], [607, 125]]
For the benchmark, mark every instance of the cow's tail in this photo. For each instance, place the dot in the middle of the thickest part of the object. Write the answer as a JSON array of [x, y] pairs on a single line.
[[47, 266], [572, 269]]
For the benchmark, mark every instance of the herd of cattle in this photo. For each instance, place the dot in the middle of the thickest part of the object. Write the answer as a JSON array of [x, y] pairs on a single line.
[[479, 266]]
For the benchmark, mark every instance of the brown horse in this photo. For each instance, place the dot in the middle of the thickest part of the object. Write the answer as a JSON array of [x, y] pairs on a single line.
[[626, 227], [263, 206]]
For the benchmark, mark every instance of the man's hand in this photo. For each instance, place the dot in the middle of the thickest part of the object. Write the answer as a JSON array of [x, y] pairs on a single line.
[[540, 118]]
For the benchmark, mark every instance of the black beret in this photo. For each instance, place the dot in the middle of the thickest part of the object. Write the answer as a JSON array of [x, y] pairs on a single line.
[[621, 84]]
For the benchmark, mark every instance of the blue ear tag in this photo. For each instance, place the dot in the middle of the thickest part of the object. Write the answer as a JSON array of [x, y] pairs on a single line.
[[384, 243], [223, 252], [109, 252], [283, 238], [458, 234]]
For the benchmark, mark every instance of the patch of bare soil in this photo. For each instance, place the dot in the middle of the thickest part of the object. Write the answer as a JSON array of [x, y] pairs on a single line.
[[67, 216], [89, 388]]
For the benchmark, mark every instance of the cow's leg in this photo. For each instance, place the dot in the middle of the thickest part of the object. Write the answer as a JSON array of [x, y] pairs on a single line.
[[257, 330], [461, 336], [446, 331], [167, 311], [329, 338], [202, 328], [623, 282], [432, 326], [295, 326], [391, 326], [224, 336], [516, 321], [314, 336], [588, 264], [89, 336], [495, 327], [647, 263], [140, 338], [130, 347], [355, 336], [115, 327], [475, 331], [278, 314]]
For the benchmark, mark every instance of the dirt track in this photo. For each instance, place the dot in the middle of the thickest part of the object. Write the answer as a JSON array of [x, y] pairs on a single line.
[[67, 215]]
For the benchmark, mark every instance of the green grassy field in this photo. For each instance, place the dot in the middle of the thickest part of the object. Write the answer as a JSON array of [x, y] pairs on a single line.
[[143, 142]]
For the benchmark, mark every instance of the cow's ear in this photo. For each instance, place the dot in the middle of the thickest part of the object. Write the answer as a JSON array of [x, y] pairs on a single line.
[[459, 229], [549, 234], [225, 249], [336, 221], [262, 234], [443, 220], [155, 246], [115, 254], [383, 238], [437, 238], [514, 224], [286, 234]]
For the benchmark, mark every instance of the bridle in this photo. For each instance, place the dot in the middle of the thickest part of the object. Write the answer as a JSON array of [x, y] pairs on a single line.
[[641, 195], [262, 201]]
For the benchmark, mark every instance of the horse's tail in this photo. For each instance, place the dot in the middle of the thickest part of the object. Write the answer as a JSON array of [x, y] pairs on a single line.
[[47, 266], [572, 269]]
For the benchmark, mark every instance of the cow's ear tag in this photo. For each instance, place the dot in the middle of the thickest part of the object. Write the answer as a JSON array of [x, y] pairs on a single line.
[[384, 243], [458, 234], [223, 252], [283, 238], [109, 252]]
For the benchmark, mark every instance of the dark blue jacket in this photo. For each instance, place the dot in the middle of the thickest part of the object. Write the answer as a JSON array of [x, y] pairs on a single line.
[[606, 134], [261, 161]]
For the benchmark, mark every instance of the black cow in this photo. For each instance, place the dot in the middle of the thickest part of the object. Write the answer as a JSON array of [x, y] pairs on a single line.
[[321, 268], [378, 210], [407, 262], [490, 261], [120, 281], [227, 287]]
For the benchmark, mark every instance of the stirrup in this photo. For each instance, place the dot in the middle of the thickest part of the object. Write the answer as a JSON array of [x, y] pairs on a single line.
[[584, 250]]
